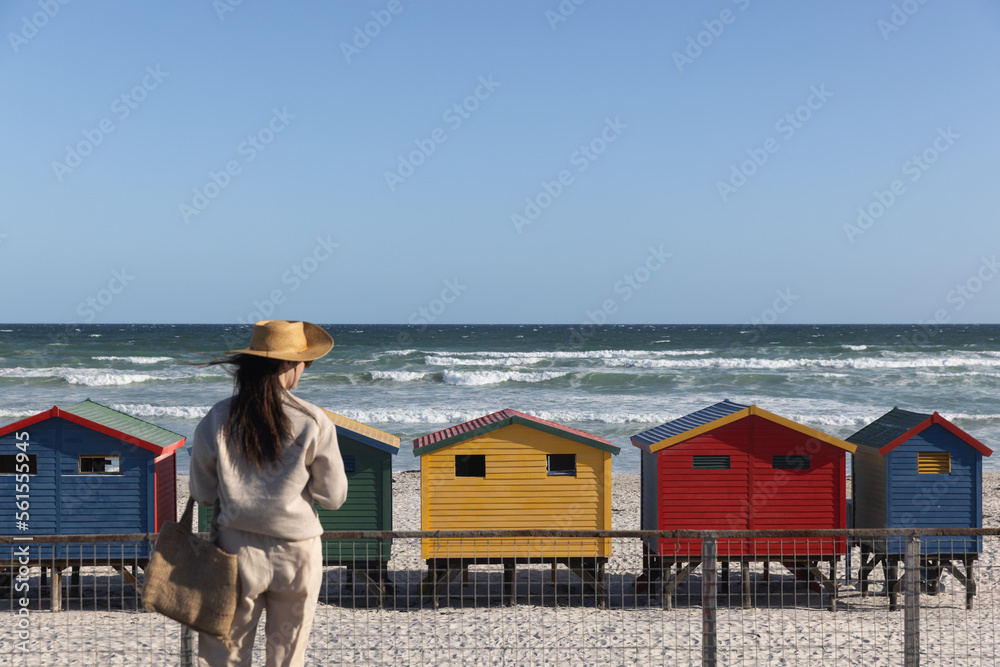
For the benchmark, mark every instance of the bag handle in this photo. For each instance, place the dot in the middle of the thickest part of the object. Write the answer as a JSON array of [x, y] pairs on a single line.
[[214, 530], [188, 514]]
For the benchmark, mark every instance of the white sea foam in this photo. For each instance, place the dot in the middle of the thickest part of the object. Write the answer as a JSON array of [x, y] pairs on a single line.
[[89, 377], [443, 416], [480, 378], [147, 411], [397, 376], [753, 363], [135, 360], [857, 348], [490, 357], [952, 416], [467, 361], [16, 414], [414, 415]]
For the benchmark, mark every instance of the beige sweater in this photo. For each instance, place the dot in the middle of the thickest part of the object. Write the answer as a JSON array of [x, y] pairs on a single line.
[[278, 501]]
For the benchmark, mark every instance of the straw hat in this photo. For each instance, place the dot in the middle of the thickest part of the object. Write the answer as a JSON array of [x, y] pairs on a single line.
[[289, 341]]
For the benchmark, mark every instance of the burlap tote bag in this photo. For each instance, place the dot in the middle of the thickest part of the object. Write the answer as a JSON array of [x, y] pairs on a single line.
[[191, 580]]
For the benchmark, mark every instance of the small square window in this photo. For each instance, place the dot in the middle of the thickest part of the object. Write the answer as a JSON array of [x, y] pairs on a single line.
[[470, 465], [561, 464], [933, 463], [9, 464], [790, 462], [108, 465], [350, 465], [710, 462]]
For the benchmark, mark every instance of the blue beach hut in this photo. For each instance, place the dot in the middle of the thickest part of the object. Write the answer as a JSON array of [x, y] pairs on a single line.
[[86, 469], [914, 470]]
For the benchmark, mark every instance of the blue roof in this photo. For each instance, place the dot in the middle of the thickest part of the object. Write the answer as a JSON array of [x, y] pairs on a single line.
[[686, 423]]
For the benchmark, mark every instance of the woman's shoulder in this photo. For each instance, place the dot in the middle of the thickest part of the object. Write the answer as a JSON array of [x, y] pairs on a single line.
[[302, 406], [222, 407], [303, 403]]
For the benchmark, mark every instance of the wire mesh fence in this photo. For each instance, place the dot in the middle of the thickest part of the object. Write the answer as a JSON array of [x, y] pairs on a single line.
[[551, 597]]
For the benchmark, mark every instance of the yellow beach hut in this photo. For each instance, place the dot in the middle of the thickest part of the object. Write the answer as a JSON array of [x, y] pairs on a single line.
[[510, 470]]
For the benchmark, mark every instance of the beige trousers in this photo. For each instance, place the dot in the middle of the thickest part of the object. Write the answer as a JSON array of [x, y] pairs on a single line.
[[277, 575]]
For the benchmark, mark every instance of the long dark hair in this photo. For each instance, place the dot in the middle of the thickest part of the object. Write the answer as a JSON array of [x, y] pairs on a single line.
[[257, 422]]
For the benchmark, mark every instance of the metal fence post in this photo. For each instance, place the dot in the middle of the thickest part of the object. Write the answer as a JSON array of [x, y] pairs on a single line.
[[911, 602], [709, 600], [187, 646]]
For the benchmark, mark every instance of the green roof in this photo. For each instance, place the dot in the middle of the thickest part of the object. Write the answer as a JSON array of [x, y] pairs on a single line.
[[123, 423]]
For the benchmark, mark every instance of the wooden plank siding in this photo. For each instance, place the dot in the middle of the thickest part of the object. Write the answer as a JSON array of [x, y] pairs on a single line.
[[165, 501], [787, 499], [516, 493], [943, 500], [368, 505], [64, 501], [868, 480], [43, 512], [751, 494], [705, 499]]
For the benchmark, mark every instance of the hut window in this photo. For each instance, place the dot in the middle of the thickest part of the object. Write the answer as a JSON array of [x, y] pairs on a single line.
[[100, 464], [933, 463], [790, 462], [561, 464], [350, 464], [470, 465], [10, 466], [709, 462]]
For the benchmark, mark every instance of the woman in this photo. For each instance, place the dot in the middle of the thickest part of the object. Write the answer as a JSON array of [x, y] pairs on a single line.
[[261, 457]]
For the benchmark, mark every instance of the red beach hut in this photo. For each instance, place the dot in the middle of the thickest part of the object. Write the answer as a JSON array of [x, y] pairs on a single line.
[[738, 467]]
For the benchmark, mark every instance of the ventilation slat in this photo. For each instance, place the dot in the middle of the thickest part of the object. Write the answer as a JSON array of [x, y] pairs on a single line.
[[710, 462], [933, 463]]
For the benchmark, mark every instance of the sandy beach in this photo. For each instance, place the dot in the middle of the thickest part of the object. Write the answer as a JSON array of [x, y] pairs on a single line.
[[556, 622]]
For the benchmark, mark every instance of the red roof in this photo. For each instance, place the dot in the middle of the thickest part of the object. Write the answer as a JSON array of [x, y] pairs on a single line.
[[503, 418], [940, 421]]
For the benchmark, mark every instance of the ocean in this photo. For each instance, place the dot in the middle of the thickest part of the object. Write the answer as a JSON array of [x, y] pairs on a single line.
[[612, 381]]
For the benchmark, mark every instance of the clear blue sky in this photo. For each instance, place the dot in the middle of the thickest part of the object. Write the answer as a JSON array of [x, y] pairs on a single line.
[[690, 162]]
